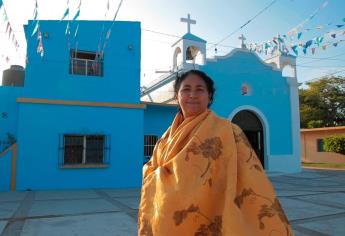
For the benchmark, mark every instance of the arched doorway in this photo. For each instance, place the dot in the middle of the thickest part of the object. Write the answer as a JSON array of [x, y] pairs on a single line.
[[251, 125]]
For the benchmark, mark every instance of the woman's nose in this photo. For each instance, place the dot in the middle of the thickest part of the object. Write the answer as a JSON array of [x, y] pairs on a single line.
[[192, 94]]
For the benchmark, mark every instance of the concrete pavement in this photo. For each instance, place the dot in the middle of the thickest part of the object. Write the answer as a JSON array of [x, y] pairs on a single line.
[[314, 201]]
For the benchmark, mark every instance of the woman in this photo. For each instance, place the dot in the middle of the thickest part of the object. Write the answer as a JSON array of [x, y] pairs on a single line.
[[204, 178]]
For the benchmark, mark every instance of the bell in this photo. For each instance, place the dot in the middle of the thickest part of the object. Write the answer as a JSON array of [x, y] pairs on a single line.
[[189, 55]]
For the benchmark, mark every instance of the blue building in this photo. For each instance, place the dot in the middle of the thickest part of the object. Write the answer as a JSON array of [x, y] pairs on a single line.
[[259, 96], [81, 119], [78, 120]]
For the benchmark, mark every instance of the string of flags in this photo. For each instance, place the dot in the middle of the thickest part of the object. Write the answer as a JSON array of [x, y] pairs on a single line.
[[297, 30], [291, 43], [37, 29], [9, 30], [280, 44], [108, 33], [101, 35], [300, 33], [65, 16], [287, 45], [75, 17]]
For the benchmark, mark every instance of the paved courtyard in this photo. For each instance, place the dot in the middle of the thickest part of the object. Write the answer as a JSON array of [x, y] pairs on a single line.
[[314, 201]]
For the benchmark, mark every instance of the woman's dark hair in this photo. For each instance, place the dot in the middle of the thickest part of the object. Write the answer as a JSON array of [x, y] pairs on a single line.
[[208, 81]]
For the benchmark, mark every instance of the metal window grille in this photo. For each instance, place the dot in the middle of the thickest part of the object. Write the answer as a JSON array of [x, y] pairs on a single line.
[[83, 149], [85, 63], [149, 145]]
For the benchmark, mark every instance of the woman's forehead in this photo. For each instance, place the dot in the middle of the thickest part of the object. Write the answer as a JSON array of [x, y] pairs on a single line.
[[194, 80]]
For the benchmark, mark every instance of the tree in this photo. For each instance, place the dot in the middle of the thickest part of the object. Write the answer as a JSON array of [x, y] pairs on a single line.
[[322, 103], [335, 143]]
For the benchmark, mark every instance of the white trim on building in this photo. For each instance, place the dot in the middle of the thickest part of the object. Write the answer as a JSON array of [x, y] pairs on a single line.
[[266, 129]]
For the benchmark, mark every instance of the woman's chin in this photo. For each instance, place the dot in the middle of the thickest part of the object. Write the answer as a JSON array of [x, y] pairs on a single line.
[[193, 113]]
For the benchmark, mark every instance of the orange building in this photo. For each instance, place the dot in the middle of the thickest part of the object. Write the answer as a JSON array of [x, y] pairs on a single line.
[[312, 145]]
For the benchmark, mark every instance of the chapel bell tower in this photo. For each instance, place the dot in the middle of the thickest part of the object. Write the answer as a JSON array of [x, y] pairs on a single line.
[[189, 50]]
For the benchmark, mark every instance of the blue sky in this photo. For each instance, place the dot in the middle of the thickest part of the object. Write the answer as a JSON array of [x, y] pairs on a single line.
[[215, 20]]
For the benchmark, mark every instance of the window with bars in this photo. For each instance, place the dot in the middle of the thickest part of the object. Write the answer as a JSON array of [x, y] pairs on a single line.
[[149, 144], [84, 149], [86, 63]]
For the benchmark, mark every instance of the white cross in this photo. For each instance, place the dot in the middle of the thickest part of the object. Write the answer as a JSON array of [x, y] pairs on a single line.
[[242, 38], [189, 21]]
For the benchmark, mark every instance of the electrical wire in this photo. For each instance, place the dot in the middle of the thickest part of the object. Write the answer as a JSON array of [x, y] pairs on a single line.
[[246, 23]]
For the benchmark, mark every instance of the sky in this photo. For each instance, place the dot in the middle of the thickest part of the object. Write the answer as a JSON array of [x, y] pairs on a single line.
[[214, 21]]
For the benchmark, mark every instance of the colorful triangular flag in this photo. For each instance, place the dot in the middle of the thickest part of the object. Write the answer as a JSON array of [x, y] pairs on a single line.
[[318, 41], [36, 28], [294, 49], [76, 15], [65, 14]]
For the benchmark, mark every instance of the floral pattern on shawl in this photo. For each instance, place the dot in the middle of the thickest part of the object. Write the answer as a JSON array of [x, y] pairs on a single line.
[[266, 210], [211, 149], [214, 227], [240, 137], [175, 202]]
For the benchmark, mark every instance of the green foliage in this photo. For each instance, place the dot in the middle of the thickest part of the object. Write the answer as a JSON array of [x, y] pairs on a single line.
[[315, 124], [335, 143], [322, 104]]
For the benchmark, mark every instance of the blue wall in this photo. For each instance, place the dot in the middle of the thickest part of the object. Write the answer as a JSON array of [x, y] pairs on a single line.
[[5, 171], [270, 94], [157, 119], [40, 126], [48, 77], [38, 143], [9, 106]]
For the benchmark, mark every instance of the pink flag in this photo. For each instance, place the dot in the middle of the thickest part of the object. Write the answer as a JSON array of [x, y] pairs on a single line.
[[8, 26]]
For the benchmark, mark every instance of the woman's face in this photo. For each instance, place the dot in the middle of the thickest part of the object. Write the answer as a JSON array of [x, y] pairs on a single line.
[[193, 96]]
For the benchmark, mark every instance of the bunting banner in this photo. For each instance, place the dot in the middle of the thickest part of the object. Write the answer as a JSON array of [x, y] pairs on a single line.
[[98, 56], [298, 28], [66, 14], [35, 20], [78, 12], [279, 44], [67, 31], [40, 49], [287, 45], [9, 30], [76, 31], [76, 15], [107, 36], [37, 29]]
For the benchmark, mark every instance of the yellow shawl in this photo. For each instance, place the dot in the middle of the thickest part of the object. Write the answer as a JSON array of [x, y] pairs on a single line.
[[205, 179]]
